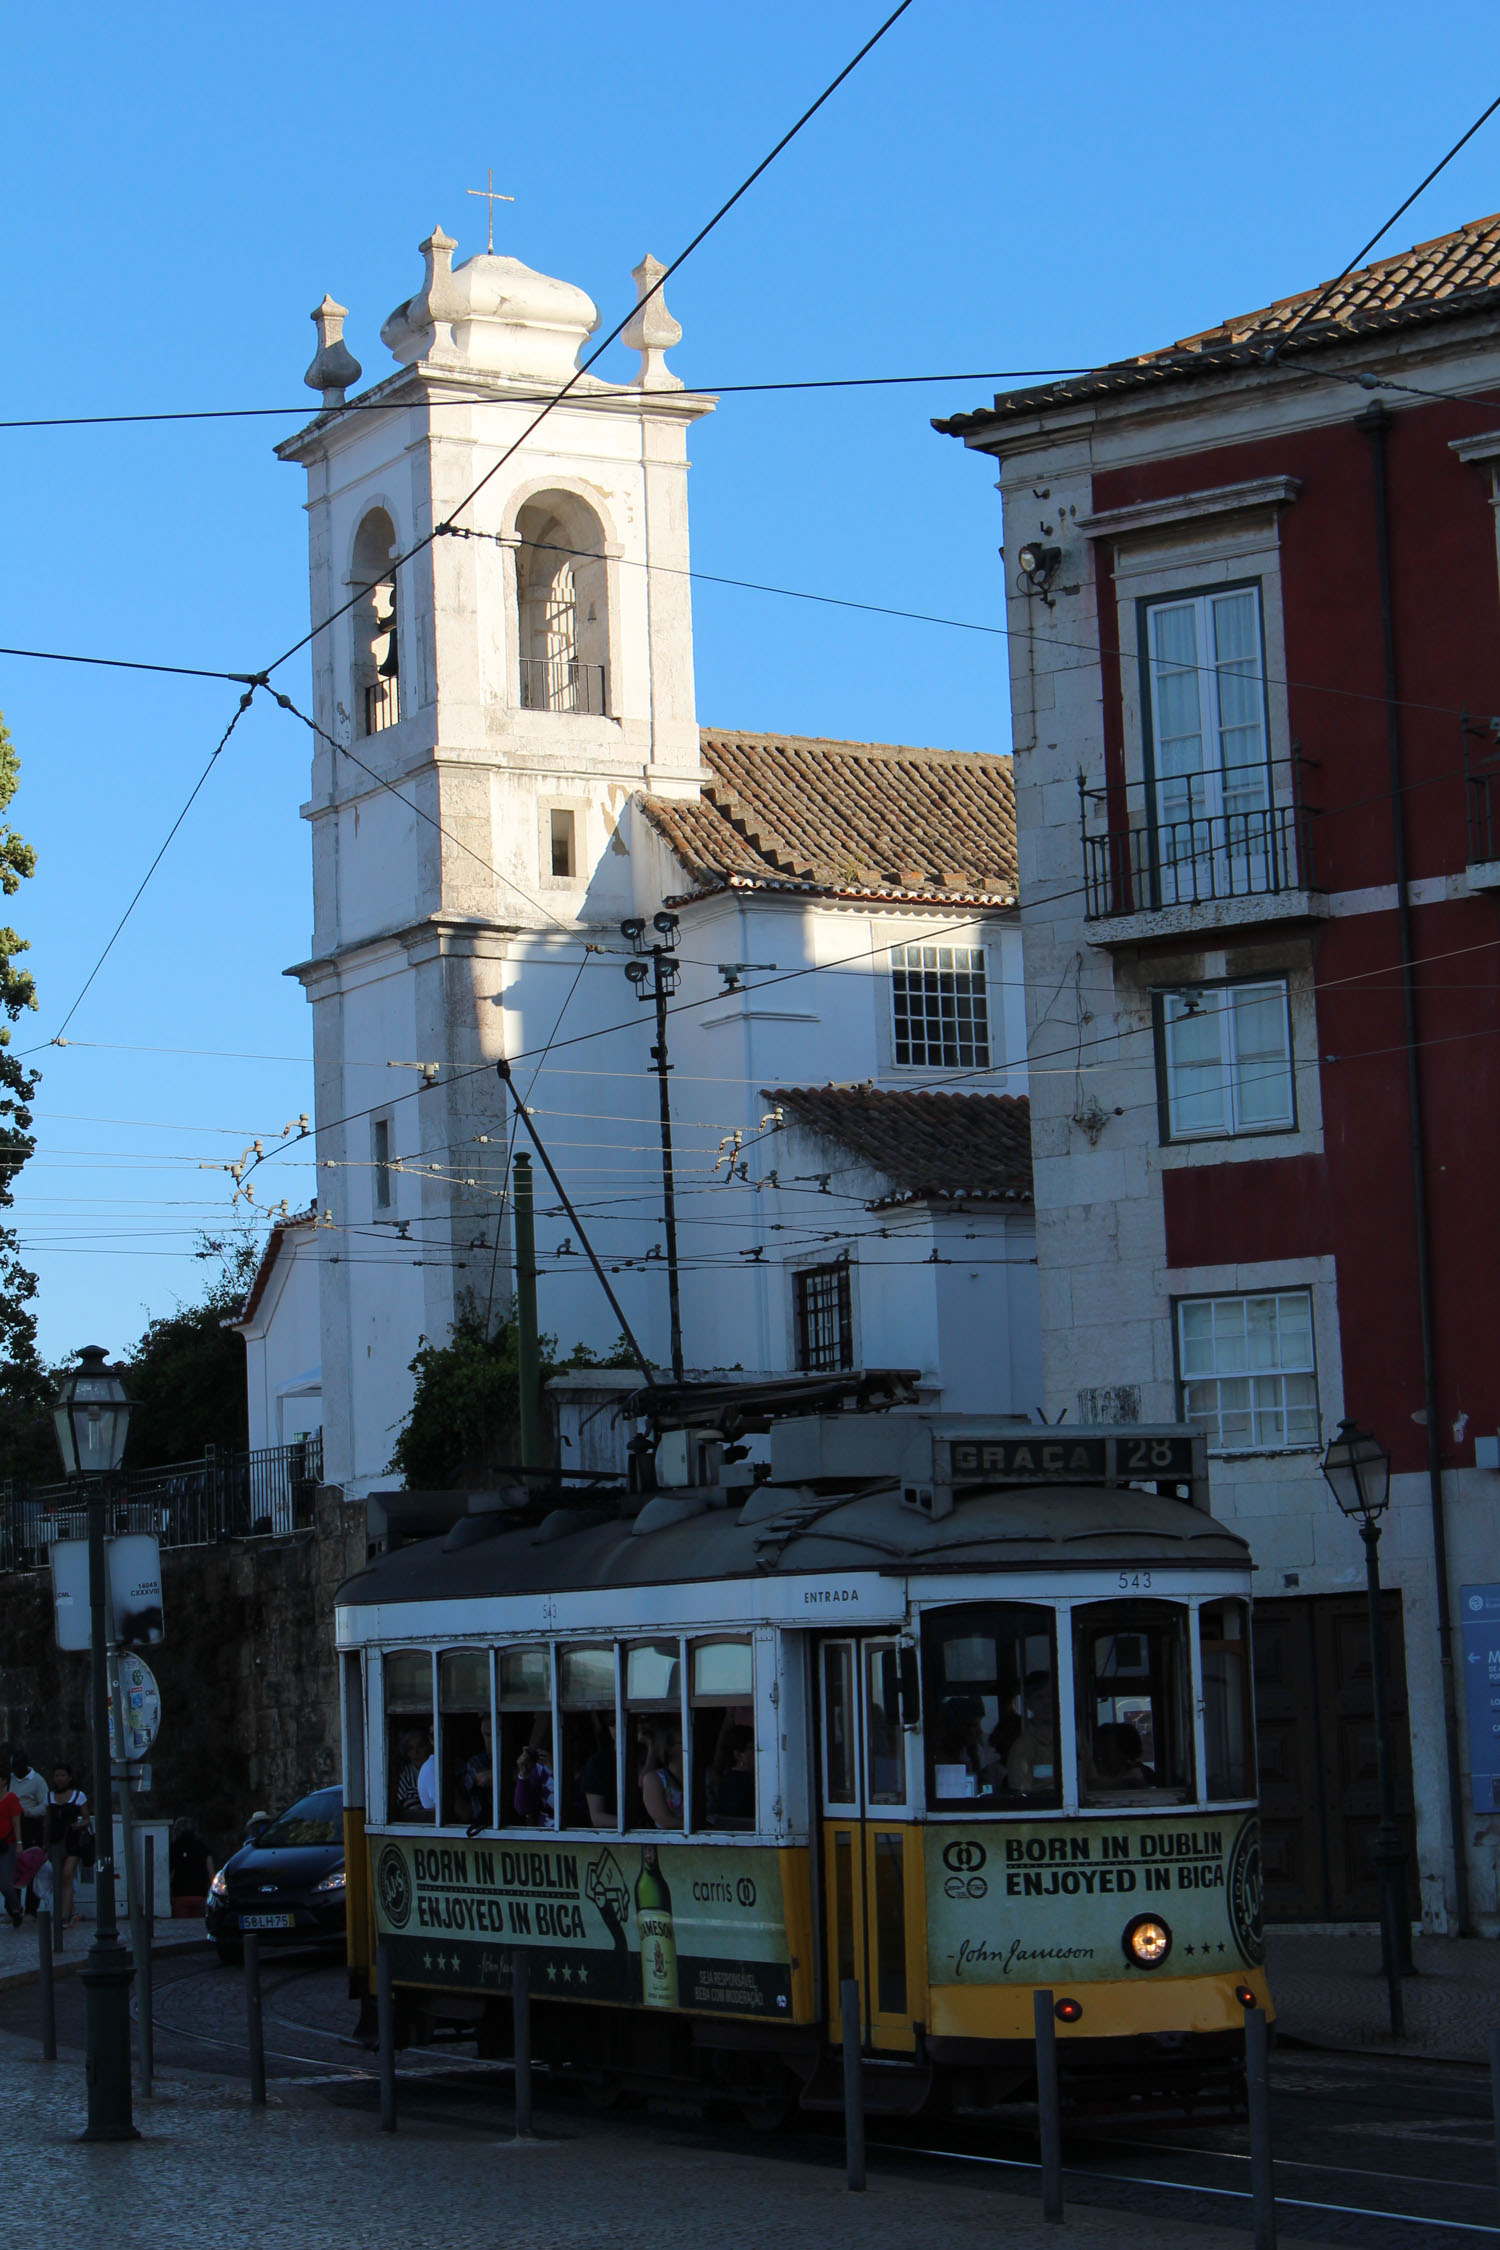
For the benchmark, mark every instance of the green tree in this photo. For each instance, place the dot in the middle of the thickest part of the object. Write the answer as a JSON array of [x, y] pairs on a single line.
[[187, 1372], [25, 1439]]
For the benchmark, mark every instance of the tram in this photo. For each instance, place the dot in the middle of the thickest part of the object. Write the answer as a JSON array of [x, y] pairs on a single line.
[[958, 1709]]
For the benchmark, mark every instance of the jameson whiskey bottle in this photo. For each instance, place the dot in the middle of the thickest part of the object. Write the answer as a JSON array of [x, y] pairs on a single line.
[[653, 1918]]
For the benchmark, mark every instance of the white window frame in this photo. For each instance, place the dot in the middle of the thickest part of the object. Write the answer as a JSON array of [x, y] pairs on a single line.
[[1218, 794], [909, 958], [1272, 1404], [1221, 1000]]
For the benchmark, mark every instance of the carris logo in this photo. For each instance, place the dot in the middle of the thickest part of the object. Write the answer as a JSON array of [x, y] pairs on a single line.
[[964, 1858]]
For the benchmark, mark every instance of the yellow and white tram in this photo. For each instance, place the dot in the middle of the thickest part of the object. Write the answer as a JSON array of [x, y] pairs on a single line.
[[956, 1710]]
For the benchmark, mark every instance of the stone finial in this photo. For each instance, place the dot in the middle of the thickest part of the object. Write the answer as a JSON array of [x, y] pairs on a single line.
[[651, 330], [437, 301], [334, 366]]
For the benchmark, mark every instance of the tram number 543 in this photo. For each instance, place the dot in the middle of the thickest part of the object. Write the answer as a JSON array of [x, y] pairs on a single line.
[[1134, 1582]]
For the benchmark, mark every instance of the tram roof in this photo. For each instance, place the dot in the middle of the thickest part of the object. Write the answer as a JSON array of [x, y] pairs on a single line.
[[681, 1538]]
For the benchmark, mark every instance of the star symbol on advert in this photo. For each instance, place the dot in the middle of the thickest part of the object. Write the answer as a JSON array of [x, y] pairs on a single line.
[[552, 1972], [583, 1975], [427, 1960], [567, 1973]]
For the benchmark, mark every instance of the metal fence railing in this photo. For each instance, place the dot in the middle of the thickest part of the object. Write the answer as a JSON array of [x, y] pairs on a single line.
[[1149, 854], [561, 683], [226, 1494]]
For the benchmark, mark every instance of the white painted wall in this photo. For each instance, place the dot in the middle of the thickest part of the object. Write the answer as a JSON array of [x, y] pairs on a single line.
[[283, 1344]]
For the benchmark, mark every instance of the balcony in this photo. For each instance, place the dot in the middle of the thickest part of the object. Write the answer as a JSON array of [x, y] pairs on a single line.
[[226, 1494], [1195, 855], [552, 683]]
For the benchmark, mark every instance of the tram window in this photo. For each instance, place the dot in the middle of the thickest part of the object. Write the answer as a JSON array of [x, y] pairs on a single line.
[[885, 1742], [465, 1749], [890, 1924], [838, 1723], [1224, 1644], [590, 1768], [526, 1788], [408, 1734], [991, 1723], [653, 1716], [1130, 1664], [722, 1712]]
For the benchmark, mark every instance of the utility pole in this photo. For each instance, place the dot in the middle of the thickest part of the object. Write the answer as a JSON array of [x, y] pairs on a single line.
[[656, 975]]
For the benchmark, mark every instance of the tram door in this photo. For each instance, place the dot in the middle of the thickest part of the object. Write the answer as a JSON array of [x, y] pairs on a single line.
[[872, 1865]]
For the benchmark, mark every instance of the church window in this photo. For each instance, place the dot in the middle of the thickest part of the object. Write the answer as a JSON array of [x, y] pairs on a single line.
[[561, 606], [380, 1160], [377, 636], [939, 1007], [825, 1318], [564, 856]]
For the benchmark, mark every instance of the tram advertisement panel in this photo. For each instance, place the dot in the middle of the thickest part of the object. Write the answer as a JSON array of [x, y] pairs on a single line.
[[656, 1924], [1015, 1904]]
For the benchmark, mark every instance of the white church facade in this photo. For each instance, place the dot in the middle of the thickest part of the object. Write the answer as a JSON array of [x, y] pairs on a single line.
[[509, 766]]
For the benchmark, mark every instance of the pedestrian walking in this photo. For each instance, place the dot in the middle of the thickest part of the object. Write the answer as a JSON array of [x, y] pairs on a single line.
[[10, 1849], [28, 1786], [70, 1834]]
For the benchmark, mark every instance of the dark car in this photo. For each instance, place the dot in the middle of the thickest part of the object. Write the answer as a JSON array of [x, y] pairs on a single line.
[[287, 1884]]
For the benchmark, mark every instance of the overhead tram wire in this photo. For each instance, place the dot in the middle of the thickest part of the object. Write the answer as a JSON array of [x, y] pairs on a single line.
[[491, 398]]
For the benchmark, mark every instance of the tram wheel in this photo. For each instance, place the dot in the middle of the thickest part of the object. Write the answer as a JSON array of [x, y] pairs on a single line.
[[767, 2115]]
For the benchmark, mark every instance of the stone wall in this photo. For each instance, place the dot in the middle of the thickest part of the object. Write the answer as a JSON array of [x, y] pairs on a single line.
[[249, 1686]]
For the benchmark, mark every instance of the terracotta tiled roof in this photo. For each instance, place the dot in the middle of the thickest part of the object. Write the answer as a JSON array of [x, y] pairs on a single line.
[[856, 819], [1452, 275], [971, 1146]]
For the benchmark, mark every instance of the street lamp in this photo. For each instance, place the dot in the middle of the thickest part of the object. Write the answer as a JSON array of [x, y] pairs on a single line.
[[91, 1416], [1358, 1469]]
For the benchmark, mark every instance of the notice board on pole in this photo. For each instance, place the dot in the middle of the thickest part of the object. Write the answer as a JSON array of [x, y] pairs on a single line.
[[1479, 1608]]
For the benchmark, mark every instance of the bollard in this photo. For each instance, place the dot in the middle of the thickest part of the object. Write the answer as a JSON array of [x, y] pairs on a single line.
[[44, 1922], [57, 1918], [143, 1968], [1495, 2093], [854, 2085], [520, 2007], [385, 2018], [1048, 2106], [252, 2016], [1258, 2092]]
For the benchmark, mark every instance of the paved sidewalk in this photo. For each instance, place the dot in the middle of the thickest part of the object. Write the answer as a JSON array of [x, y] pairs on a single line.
[[300, 2175], [20, 1949], [1329, 1992]]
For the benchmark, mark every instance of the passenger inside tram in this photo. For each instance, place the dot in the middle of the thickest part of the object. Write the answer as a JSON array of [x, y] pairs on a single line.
[[732, 1777], [661, 1776], [479, 1779], [598, 1776], [989, 1671], [1031, 1766], [535, 1792], [1130, 1665]]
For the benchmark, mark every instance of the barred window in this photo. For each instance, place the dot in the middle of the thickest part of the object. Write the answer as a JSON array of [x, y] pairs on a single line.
[[939, 1010], [825, 1326], [1248, 1372]]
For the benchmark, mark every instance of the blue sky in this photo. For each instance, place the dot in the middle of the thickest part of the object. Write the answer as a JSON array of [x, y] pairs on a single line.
[[995, 188]]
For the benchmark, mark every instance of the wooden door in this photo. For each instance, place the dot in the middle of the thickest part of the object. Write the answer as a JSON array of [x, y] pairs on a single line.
[[1315, 1728]]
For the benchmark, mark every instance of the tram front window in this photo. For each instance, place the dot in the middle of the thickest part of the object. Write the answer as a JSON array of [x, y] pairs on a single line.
[[1228, 1741], [990, 1700], [408, 1735], [465, 1747], [590, 1767], [885, 1741], [525, 1783], [653, 1715], [1130, 1664], [722, 1710]]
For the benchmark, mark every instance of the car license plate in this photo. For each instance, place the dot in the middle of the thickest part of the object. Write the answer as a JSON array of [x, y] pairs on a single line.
[[267, 1921]]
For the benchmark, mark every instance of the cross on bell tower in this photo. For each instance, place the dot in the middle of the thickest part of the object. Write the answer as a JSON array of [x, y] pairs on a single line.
[[491, 198]]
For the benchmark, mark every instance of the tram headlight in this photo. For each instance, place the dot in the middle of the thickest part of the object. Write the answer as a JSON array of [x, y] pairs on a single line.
[[1147, 1941]]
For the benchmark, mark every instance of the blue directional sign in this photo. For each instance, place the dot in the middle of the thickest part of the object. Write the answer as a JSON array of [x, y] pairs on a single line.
[[1480, 1611]]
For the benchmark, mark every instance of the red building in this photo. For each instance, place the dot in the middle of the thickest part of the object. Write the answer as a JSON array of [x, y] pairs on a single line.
[[1255, 651]]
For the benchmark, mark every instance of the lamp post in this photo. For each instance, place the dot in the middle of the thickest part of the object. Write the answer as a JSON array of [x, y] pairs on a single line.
[[91, 1416], [1358, 1468], [655, 976]]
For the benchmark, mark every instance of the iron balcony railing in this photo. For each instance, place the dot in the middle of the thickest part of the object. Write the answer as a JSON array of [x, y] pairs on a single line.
[[1136, 860], [1481, 742], [227, 1494], [551, 683]]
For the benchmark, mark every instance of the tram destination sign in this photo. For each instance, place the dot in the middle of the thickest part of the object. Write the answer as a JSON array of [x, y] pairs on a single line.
[[655, 1925], [1130, 1454], [1017, 1903]]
